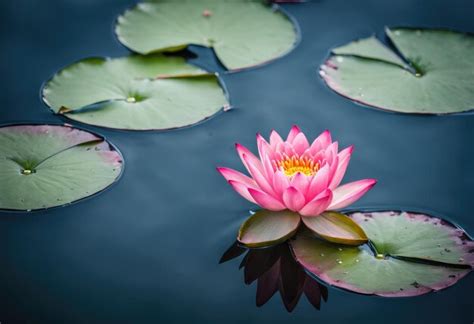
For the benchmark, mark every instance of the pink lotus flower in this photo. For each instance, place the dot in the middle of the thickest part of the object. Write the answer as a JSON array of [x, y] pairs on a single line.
[[295, 175]]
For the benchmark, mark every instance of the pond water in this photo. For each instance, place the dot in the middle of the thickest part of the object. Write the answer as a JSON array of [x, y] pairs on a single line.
[[147, 250]]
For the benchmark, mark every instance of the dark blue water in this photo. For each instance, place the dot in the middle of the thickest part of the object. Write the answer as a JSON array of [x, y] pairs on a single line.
[[147, 250]]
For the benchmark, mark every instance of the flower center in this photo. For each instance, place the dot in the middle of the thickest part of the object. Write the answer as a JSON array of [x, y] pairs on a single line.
[[295, 164]]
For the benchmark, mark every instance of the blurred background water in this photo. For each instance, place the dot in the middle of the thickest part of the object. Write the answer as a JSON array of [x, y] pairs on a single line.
[[147, 250]]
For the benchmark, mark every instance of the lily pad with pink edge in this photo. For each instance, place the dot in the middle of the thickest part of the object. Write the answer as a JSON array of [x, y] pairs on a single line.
[[416, 75], [43, 166], [409, 254]]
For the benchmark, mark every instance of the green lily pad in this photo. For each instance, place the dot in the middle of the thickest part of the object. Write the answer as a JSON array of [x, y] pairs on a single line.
[[337, 228], [266, 228], [411, 254], [243, 33], [434, 80], [44, 166], [135, 92]]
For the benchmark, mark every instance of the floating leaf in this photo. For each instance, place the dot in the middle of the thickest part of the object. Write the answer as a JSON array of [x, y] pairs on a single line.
[[437, 79], [370, 48], [412, 254], [412, 235], [336, 227], [265, 228], [243, 33], [43, 166], [135, 92]]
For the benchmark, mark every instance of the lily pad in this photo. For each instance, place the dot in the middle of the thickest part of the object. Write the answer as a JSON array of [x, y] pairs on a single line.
[[243, 33], [265, 228], [44, 166], [152, 92], [410, 254], [418, 76], [337, 228]]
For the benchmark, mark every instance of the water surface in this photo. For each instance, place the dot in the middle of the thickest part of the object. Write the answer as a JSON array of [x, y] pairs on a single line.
[[147, 250]]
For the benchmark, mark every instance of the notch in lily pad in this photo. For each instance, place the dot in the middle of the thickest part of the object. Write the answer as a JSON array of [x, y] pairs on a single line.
[[153, 92], [414, 74], [269, 33], [44, 166], [409, 254], [266, 228]]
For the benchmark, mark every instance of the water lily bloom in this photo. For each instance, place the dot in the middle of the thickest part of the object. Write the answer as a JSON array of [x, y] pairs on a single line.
[[293, 174]]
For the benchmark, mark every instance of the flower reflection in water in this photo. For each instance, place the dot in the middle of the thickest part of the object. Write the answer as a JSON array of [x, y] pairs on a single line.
[[275, 269]]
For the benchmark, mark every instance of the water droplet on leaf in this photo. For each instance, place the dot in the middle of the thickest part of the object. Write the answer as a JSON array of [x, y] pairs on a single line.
[[27, 171], [207, 13]]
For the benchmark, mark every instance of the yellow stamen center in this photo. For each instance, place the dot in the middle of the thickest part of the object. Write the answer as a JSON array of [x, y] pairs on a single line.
[[295, 164]]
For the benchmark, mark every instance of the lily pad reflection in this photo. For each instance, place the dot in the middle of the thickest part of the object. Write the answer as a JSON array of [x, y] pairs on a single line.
[[275, 270]]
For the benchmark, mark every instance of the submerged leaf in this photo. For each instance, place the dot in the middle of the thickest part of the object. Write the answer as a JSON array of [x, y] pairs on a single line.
[[135, 92], [43, 166], [243, 33], [412, 254], [437, 79], [337, 228], [266, 228]]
